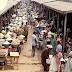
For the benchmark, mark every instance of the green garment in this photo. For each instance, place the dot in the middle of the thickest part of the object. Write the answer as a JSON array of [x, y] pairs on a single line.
[[67, 68], [53, 42]]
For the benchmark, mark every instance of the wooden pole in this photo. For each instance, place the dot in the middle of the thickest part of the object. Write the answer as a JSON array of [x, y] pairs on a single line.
[[53, 17], [57, 22], [41, 7], [49, 15], [65, 23], [43, 10], [0, 23]]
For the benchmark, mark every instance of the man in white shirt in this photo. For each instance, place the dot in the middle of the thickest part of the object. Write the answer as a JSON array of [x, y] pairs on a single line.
[[34, 43]]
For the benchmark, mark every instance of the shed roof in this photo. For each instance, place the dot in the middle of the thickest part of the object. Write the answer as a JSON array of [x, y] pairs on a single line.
[[60, 6], [42, 1], [10, 4]]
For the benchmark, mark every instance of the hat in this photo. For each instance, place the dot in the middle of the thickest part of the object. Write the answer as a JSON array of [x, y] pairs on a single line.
[[49, 33], [70, 54], [1, 35], [7, 35], [62, 59], [6, 43], [49, 46], [48, 40], [3, 31], [9, 39], [22, 36], [49, 36]]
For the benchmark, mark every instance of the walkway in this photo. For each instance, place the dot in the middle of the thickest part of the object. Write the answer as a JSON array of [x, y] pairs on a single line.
[[26, 61]]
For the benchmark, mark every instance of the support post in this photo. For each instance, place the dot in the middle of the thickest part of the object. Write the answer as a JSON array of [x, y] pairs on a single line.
[[0, 23], [43, 10], [49, 16], [65, 23], [57, 22], [53, 17], [41, 7], [47, 13]]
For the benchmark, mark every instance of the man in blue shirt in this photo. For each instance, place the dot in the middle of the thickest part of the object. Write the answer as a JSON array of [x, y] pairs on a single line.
[[38, 32], [59, 47]]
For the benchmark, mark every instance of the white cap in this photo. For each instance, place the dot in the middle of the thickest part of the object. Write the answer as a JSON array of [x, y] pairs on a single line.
[[70, 54], [62, 59], [49, 46]]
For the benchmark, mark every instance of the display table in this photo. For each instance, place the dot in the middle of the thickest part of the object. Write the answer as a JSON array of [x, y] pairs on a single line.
[[3, 60], [14, 55]]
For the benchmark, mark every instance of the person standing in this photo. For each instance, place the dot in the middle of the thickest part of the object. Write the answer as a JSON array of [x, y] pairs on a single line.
[[26, 35], [34, 43], [55, 62], [29, 18], [59, 47], [53, 43], [45, 55], [38, 32]]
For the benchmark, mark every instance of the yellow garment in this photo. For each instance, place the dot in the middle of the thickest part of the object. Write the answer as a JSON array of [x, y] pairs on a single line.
[[41, 44], [20, 31], [16, 28]]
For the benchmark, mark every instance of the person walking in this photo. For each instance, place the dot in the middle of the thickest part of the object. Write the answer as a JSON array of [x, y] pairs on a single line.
[[34, 43]]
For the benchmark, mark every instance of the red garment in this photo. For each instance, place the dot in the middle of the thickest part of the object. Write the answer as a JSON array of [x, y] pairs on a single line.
[[47, 29], [14, 49], [45, 33], [7, 48]]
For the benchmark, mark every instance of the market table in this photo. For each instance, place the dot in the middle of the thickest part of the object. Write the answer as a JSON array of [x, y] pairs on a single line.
[[14, 55], [3, 58]]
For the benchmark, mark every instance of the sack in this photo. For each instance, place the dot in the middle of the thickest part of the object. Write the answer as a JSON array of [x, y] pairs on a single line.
[[48, 61]]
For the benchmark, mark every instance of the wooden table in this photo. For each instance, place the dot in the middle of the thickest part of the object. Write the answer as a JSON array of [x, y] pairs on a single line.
[[3, 59], [14, 55]]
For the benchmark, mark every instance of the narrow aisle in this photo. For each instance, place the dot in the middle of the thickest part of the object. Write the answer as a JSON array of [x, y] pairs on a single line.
[[26, 61]]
